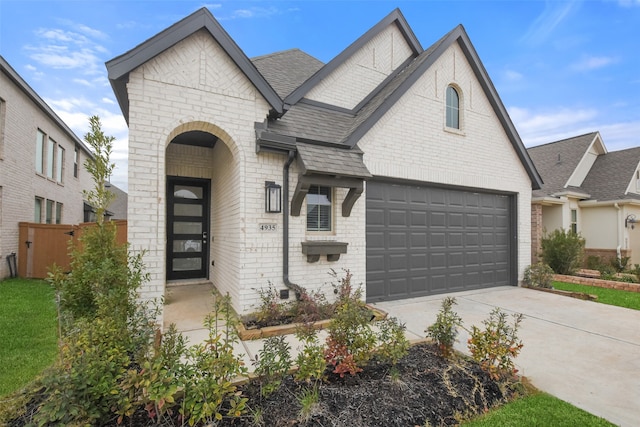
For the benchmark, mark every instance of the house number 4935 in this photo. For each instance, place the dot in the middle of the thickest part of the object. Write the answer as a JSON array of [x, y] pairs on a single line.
[[267, 227]]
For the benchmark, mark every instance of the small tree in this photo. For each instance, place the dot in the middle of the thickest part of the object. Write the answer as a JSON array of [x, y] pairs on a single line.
[[563, 251]]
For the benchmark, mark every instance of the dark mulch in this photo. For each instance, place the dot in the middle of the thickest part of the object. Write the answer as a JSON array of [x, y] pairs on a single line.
[[426, 390]]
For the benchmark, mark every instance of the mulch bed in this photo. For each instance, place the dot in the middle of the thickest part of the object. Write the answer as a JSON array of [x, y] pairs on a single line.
[[426, 390]]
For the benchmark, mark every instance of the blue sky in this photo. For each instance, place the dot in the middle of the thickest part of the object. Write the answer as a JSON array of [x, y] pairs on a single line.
[[562, 68]]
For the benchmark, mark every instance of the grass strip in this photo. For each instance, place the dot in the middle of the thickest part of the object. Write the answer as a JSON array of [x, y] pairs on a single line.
[[539, 409], [616, 297], [28, 323]]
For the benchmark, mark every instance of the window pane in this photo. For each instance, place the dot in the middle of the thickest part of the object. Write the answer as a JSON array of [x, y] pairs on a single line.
[[40, 152], [49, 214], [186, 264], [453, 108], [75, 162], [59, 164], [187, 246], [319, 208], [37, 216], [187, 192], [187, 227], [50, 150], [181, 209], [58, 213]]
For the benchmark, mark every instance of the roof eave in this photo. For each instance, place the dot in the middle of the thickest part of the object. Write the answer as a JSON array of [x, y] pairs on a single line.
[[119, 68], [35, 98]]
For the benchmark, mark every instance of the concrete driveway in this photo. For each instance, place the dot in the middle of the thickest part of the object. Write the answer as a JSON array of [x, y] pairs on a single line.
[[583, 352]]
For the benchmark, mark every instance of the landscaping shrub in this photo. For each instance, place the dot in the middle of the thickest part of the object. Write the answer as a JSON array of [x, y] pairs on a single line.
[[495, 346], [310, 358], [351, 340], [562, 251], [392, 342], [272, 364], [444, 330], [538, 275]]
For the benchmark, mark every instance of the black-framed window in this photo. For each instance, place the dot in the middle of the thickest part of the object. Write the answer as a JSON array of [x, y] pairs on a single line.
[[319, 208], [453, 108]]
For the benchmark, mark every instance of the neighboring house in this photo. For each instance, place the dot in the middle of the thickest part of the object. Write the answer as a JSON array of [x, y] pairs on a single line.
[[589, 191], [397, 163], [118, 207], [41, 164]]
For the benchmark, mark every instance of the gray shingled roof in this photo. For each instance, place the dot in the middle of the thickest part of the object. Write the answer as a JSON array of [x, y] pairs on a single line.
[[331, 161], [287, 70], [556, 162], [611, 174]]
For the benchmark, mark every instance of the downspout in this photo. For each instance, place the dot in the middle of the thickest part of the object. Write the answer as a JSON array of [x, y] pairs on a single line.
[[285, 228], [620, 231]]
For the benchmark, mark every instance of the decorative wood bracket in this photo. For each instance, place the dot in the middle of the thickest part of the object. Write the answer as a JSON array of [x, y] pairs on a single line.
[[355, 186]]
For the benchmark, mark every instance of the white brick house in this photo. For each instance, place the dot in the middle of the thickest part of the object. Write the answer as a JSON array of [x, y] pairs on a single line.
[[397, 163], [41, 164]]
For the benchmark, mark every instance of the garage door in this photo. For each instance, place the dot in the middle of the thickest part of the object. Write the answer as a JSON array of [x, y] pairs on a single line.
[[425, 240]]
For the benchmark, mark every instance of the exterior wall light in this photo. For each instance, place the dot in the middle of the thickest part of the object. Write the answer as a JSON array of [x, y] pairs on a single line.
[[630, 220], [272, 197]]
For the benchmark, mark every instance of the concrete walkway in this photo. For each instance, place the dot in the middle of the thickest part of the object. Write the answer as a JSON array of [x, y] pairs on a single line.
[[582, 352]]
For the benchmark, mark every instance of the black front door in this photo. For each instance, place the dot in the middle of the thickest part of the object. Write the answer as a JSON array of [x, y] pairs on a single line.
[[187, 228]]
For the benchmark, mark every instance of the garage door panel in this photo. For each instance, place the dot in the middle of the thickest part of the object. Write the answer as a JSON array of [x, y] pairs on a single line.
[[424, 240]]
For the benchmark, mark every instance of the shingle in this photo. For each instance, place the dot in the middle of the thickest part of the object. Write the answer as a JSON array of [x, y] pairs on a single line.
[[556, 161], [331, 161], [286, 70], [611, 174]]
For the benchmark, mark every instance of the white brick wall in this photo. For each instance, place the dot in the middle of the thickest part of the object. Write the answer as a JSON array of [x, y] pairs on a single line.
[[354, 79], [18, 179], [410, 142], [195, 86]]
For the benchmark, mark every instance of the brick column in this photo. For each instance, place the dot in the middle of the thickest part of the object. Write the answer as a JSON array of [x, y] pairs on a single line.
[[536, 232]]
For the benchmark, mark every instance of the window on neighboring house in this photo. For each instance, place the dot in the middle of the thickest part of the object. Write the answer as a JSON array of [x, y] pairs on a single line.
[[319, 208], [51, 149], [637, 181], [49, 212], [37, 215], [453, 108], [58, 213], [574, 221], [75, 162], [60, 164], [40, 138]]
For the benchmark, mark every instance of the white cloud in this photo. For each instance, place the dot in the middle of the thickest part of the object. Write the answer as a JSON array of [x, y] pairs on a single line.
[[109, 101], [252, 12], [540, 127], [593, 62], [554, 14], [513, 76], [629, 3]]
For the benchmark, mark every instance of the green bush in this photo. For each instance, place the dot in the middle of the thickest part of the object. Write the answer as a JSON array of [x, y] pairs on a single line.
[[392, 342], [444, 330], [563, 251], [495, 346], [272, 364], [538, 275], [310, 358]]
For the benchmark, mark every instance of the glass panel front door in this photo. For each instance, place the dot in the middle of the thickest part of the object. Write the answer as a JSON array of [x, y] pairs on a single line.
[[187, 228]]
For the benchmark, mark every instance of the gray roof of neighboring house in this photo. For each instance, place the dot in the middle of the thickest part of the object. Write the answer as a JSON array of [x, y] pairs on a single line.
[[611, 174], [35, 98], [556, 162], [607, 179]]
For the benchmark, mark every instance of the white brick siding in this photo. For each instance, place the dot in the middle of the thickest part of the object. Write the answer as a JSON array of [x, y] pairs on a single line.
[[19, 181], [356, 77], [410, 141]]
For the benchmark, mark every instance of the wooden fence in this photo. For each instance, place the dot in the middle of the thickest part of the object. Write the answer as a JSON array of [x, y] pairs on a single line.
[[42, 245]]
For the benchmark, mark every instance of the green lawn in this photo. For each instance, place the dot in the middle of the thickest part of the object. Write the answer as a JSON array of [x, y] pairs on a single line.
[[539, 409], [28, 334], [617, 297]]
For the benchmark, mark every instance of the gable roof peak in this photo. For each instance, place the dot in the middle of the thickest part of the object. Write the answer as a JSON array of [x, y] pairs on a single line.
[[119, 67], [395, 16]]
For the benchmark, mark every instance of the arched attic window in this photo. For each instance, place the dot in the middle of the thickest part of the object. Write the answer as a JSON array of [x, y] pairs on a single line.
[[453, 108]]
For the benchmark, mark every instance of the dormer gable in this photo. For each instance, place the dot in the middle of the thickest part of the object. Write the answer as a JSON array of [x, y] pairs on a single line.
[[351, 77], [595, 149]]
